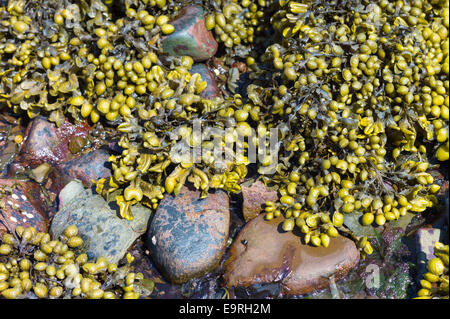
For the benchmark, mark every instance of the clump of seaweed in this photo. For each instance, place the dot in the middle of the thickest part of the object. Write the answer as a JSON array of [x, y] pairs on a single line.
[[357, 92], [32, 264]]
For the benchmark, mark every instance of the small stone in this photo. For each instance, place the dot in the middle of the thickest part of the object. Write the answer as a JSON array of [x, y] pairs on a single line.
[[77, 143], [190, 36], [46, 143], [254, 198], [263, 254], [21, 203], [40, 173], [211, 90], [104, 233], [188, 235]]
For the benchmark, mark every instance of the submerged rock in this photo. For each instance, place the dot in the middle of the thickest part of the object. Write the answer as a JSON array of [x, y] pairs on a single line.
[[46, 143], [262, 253], [188, 235], [190, 36], [254, 198], [104, 233], [21, 203]]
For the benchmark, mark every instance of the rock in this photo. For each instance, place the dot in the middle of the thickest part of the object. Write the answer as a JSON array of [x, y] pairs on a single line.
[[211, 90], [21, 203], [254, 198], [425, 240], [40, 173], [104, 233], [263, 253], [44, 142], [91, 166], [187, 236], [190, 36]]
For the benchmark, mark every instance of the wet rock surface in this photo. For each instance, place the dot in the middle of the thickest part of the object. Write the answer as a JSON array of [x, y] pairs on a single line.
[[187, 235], [263, 253], [254, 198], [104, 232], [21, 203], [46, 143], [190, 36]]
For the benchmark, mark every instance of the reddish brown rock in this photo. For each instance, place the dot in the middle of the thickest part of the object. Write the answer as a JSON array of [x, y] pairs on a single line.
[[21, 203], [263, 253], [188, 235], [91, 166], [46, 143], [190, 36], [255, 197]]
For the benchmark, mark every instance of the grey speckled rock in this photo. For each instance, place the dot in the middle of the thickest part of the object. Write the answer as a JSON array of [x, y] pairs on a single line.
[[187, 236], [104, 233]]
